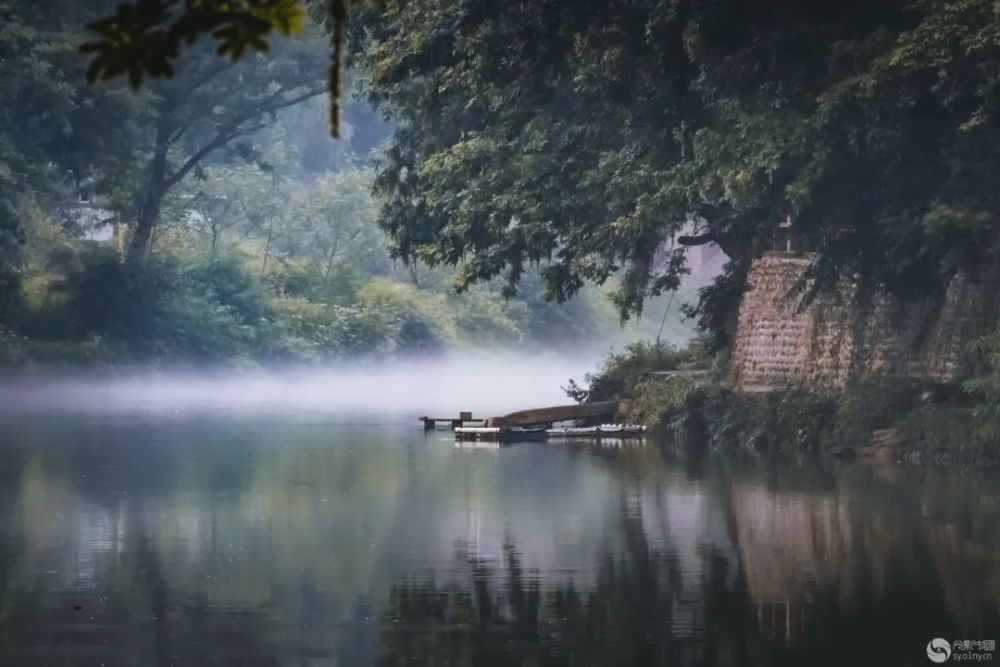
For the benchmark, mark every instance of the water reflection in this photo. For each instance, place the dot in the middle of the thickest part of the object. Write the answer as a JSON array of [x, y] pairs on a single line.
[[144, 541]]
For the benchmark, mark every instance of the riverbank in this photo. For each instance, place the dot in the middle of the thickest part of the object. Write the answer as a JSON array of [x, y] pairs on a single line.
[[891, 419]]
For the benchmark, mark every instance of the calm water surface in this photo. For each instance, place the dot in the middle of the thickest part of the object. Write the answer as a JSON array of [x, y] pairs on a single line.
[[296, 539]]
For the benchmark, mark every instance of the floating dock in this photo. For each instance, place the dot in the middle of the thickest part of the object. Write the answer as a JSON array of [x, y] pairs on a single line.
[[515, 433], [431, 423], [537, 424]]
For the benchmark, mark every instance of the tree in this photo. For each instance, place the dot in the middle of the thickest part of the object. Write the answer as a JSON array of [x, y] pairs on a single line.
[[222, 200], [58, 131], [527, 120], [55, 131], [331, 221], [214, 105], [583, 136], [15, 160]]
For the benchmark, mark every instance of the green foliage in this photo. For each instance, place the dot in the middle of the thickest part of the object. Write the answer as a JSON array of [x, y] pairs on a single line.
[[10, 256], [659, 402], [163, 312], [793, 420], [228, 198], [985, 387], [946, 431], [145, 37], [622, 373], [254, 246], [583, 136], [302, 330], [46, 105], [213, 311], [797, 420], [588, 315], [864, 407], [21, 352], [254, 265], [228, 283], [430, 323], [210, 113], [330, 224], [579, 137]]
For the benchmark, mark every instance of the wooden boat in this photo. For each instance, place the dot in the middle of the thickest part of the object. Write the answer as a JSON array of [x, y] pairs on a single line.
[[514, 433], [604, 430]]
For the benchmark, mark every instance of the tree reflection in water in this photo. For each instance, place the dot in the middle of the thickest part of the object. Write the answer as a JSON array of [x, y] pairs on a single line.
[[232, 543], [834, 566], [638, 612]]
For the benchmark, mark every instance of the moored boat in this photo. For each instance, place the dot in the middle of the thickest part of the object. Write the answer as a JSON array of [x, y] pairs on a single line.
[[510, 434]]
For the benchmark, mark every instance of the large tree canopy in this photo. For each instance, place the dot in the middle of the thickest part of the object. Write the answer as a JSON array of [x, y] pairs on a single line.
[[583, 135]]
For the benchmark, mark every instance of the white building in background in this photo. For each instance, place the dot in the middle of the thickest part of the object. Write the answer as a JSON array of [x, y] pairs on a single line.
[[87, 217]]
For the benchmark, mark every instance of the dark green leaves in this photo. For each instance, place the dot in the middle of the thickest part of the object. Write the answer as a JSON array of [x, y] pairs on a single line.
[[145, 37], [583, 135]]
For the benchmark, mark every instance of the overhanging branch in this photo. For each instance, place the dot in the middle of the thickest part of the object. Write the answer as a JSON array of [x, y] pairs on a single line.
[[232, 129], [697, 240]]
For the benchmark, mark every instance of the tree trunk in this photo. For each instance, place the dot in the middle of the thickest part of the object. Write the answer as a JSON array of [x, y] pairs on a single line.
[[267, 247], [149, 214], [329, 265]]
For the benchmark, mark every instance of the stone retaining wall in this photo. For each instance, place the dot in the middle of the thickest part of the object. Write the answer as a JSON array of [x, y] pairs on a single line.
[[836, 338]]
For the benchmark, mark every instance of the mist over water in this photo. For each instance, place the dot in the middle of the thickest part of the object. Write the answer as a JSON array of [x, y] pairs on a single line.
[[486, 384]]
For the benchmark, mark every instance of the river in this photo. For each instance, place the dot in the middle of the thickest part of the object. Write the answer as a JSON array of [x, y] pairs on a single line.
[[200, 535]]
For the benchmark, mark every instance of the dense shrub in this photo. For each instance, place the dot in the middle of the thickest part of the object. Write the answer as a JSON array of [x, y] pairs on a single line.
[[176, 309], [485, 319], [251, 300], [621, 373], [985, 388], [657, 402], [226, 282], [424, 322], [166, 311], [219, 311], [303, 330], [795, 419], [421, 322], [865, 406], [783, 419]]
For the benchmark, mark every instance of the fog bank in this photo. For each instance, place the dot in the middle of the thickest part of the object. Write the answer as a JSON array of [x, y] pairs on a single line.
[[486, 384]]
